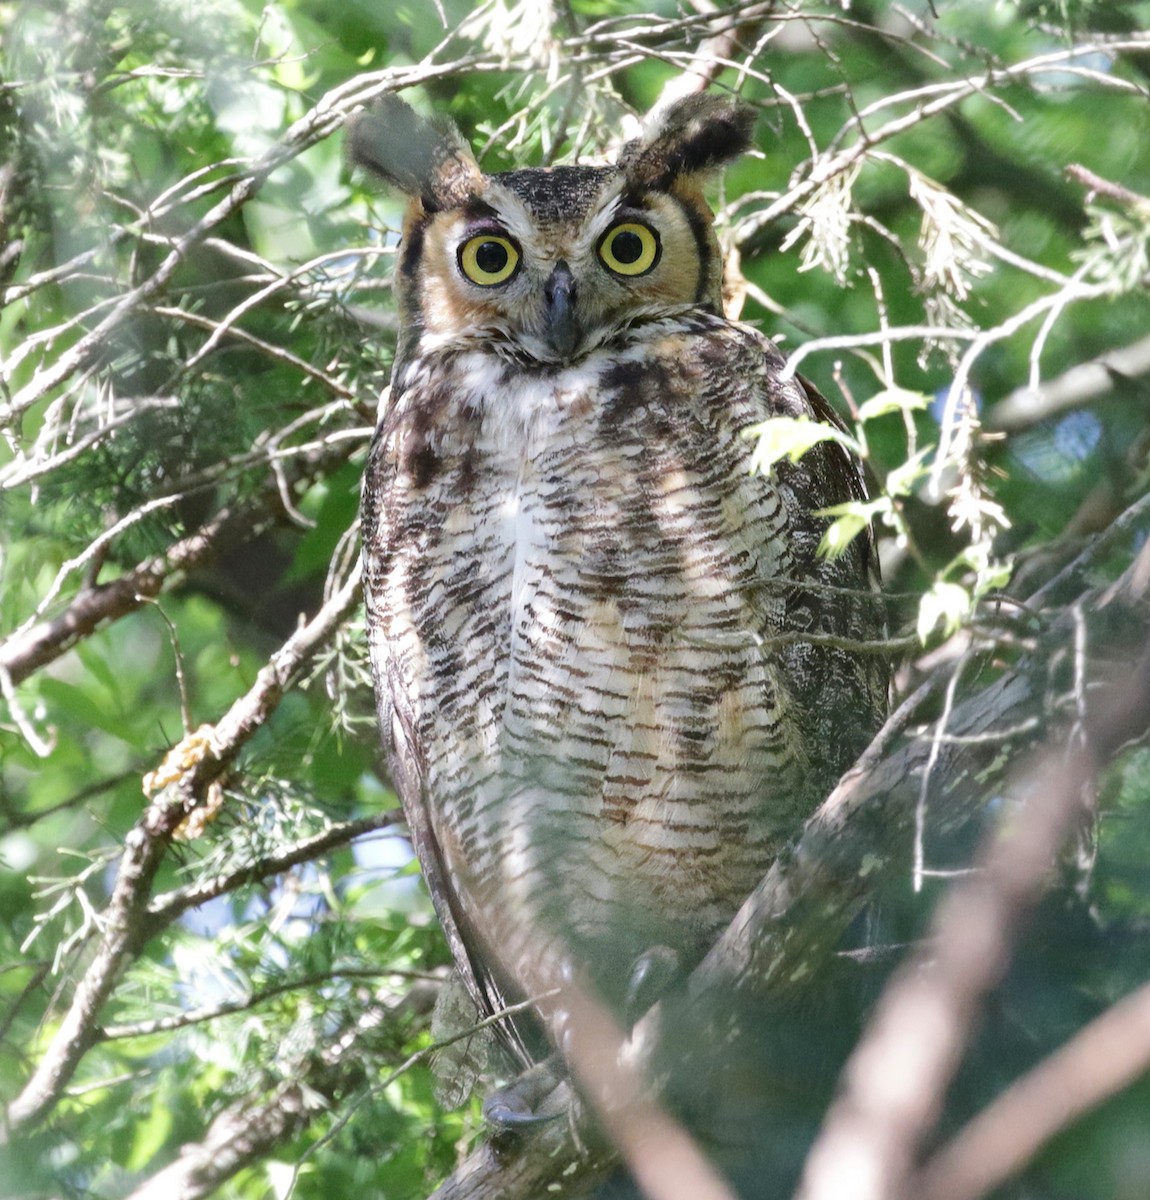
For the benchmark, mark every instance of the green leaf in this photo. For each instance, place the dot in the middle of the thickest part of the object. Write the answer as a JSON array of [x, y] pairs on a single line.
[[948, 604], [901, 480], [892, 400], [990, 573], [867, 509], [840, 534], [851, 519], [791, 437], [994, 577]]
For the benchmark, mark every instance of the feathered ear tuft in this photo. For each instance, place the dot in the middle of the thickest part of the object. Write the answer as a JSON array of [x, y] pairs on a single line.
[[424, 159], [691, 138]]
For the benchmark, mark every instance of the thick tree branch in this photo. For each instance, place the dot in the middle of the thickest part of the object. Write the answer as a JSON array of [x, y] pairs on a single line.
[[861, 834], [797, 916], [554, 1162]]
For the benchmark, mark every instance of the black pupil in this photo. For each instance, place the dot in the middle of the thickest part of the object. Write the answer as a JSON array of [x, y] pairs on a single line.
[[627, 247], [491, 257]]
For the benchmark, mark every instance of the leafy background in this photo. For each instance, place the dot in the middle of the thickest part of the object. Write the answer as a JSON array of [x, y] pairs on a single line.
[[196, 326]]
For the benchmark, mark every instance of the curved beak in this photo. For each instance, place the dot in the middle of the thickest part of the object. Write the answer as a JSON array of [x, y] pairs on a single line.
[[561, 327]]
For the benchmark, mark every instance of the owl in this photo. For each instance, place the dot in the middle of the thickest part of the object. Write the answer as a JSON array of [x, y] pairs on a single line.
[[613, 671]]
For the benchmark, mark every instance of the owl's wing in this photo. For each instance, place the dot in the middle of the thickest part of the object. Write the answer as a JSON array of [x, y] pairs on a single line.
[[841, 596], [840, 690], [407, 756], [466, 943]]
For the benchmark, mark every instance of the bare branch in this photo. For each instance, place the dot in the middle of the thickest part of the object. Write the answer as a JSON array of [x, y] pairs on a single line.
[[1107, 1056], [164, 908], [27, 650], [1079, 386], [878, 337], [33, 646], [199, 1016], [712, 56], [922, 103], [864, 831], [1106, 187], [319, 122], [279, 353], [554, 1162], [896, 1077], [126, 923], [954, 438]]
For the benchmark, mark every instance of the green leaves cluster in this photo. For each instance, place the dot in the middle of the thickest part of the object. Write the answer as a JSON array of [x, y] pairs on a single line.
[[946, 604]]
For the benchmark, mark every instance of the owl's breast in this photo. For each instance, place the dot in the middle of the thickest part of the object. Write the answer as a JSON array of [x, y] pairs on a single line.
[[652, 742], [574, 578]]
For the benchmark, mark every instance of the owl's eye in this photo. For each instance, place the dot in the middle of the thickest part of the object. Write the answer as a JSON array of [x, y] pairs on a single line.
[[488, 259], [630, 249]]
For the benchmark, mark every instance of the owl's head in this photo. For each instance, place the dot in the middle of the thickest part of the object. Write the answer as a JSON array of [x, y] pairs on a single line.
[[551, 263]]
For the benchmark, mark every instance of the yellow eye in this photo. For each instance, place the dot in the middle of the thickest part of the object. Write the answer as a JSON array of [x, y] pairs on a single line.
[[630, 249], [488, 259]]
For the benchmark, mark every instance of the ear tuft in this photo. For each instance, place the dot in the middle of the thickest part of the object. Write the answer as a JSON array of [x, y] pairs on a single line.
[[694, 136], [422, 158]]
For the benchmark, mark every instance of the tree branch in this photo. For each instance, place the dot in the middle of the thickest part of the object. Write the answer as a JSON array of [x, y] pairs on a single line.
[[796, 917], [199, 1016], [1081, 385], [861, 834], [29, 648], [167, 906], [713, 54], [250, 1129], [319, 122], [1105, 1057], [183, 782], [896, 1078]]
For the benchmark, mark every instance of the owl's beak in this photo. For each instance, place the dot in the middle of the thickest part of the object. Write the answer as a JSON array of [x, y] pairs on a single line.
[[561, 327]]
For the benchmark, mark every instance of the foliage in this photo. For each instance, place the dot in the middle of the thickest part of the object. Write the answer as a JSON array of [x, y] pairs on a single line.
[[947, 225]]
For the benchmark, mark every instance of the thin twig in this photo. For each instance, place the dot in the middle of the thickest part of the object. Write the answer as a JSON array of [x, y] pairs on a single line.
[[167, 906], [199, 1016]]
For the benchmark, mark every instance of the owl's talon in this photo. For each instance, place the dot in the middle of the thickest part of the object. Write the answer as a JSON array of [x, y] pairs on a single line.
[[653, 972], [537, 1096], [498, 1110]]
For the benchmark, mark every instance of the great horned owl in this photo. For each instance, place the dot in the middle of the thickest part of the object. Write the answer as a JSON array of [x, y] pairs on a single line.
[[586, 612]]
